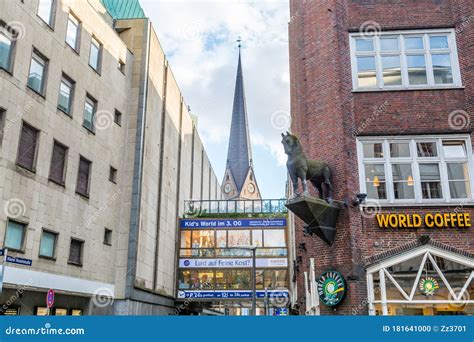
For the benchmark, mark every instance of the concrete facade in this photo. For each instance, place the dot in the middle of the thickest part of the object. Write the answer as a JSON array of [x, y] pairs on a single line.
[[156, 151]]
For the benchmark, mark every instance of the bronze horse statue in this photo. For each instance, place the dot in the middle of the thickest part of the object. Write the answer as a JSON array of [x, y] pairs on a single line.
[[299, 167]]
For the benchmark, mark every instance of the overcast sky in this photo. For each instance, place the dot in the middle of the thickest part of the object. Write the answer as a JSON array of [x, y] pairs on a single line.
[[199, 39]]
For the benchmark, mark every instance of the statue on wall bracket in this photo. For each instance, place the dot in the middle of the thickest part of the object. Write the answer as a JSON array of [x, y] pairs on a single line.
[[319, 214]]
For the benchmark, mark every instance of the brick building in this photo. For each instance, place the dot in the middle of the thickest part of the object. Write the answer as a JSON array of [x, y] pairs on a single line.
[[384, 92]]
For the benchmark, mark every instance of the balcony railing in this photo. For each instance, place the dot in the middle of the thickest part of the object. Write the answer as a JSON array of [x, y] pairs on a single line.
[[206, 208]]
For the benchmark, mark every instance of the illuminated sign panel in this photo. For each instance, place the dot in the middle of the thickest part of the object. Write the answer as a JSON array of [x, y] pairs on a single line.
[[436, 220]]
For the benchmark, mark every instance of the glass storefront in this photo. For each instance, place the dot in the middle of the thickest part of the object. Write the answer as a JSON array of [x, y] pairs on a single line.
[[427, 281], [231, 279]]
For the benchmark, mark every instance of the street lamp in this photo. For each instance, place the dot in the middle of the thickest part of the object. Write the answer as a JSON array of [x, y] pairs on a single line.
[[254, 277]]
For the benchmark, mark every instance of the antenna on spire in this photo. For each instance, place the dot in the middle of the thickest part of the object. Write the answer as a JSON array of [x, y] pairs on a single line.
[[239, 40]]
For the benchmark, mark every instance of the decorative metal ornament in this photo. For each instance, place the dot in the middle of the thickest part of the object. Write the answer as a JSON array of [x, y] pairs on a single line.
[[428, 286], [332, 288]]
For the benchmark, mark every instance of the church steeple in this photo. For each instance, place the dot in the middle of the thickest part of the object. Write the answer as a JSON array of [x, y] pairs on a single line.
[[239, 180]]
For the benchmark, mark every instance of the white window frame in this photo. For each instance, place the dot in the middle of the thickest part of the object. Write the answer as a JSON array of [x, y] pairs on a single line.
[[95, 43], [452, 50], [10, 37], [415, 161], [49, 21], [72, 20], [429, 253]]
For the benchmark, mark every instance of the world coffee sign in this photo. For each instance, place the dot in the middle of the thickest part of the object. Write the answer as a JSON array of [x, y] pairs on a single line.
[[429, 220]]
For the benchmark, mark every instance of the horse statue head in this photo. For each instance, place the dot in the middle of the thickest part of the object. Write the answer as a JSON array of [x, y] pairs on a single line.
[[291, 143]]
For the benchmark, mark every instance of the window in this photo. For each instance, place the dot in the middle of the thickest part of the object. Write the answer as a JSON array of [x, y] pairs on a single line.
[[90, 108], [274, 238], [37, 75], [66, 92], [27, 147], [48, 244], [72, 33], [75, 252], [7, 43], [107, 237], [113, 175], [3, 115], [416, 170], [121, 66], [57, 171], [118, 118], [83, 177], [239, 238], [257, 238], [95, 55], [405, 60], [203, 239], [46, 11], [15, 235]]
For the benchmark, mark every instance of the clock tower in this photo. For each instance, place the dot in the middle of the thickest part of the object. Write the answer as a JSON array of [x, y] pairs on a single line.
[[239, 177]]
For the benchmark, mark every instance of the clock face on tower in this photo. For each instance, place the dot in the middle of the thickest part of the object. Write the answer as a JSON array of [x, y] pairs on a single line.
[[227, 188], [251, 188]]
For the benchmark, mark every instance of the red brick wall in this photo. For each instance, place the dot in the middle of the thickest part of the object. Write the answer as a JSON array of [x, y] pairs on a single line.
[[326, 111]]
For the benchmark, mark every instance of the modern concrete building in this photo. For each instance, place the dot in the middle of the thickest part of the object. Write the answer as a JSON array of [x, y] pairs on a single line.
[[97, 154]]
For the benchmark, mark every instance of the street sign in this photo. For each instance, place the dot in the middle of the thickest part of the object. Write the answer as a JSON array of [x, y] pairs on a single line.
[[19, 261], [50, 298]]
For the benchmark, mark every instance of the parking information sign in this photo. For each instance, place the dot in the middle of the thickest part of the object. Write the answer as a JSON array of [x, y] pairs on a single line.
[[50, 298]]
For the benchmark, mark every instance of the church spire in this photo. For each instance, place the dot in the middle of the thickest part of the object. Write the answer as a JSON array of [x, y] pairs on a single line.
[[239, 155]]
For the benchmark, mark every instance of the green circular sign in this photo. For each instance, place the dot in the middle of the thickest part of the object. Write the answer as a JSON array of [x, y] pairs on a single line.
[[331, 288]]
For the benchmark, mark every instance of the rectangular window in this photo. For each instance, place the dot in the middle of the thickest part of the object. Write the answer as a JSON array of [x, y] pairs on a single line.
[[15, 236], [75, 252], [107, 237], [66, 94], [405, 60], [48, 244], [57, 171], [274, 238], [27, 147], [95, 54], [90, 107], [113, 175], [118, 118], [7, 43], [72, 33], [83, 177], [37, 74], [46, 11], [416, 170], [3, 115], [121, 66]]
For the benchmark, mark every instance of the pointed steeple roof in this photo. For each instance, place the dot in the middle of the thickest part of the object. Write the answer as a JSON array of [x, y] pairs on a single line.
[[239, 156]]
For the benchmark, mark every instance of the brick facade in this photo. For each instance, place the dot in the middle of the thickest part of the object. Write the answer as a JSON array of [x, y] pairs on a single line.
[[326, 113]]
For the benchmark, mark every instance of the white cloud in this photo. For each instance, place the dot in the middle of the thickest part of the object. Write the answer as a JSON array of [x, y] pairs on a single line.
[[199, 38]]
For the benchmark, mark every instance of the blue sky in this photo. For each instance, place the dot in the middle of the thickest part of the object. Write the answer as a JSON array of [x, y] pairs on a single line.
[[199, 39]]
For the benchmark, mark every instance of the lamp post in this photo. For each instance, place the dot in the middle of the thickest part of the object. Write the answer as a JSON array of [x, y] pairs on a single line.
[[254, 276]]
